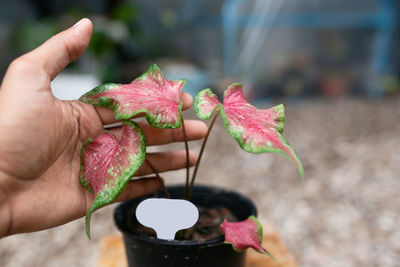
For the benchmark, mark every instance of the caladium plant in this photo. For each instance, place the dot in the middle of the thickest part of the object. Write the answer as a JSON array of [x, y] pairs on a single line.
[[107, 164], [256, 131]]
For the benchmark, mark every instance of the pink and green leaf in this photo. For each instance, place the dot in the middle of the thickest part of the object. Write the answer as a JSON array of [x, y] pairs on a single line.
[[151, 93], [107, 164], [244, 234], [205, 103], [256, 130]]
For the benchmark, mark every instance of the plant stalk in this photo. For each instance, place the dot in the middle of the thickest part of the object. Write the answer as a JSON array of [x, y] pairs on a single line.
[[201, 154], [160, 178], [186, 193]]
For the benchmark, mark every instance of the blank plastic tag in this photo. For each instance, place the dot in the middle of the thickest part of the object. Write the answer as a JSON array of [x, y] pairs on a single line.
[[167, 216]]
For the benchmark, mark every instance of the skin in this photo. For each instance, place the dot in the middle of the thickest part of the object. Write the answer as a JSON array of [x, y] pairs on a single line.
[[41, 139]]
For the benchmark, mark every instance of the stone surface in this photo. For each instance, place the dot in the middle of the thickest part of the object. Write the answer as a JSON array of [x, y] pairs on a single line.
[[345, 213]]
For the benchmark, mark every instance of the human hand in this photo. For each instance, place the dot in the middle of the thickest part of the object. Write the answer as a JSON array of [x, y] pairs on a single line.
[[41, 139]]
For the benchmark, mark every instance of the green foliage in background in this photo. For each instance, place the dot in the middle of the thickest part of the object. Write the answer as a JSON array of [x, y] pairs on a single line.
[[28, 34], [114, 37]]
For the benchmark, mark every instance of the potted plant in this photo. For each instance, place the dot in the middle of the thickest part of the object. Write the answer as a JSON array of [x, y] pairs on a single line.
[[107, 164]]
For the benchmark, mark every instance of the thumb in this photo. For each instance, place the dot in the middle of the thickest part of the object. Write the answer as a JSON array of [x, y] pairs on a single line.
[[60, 50]]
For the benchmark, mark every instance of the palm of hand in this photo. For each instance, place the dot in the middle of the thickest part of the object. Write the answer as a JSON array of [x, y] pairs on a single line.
[[41, 138], [44, 157]]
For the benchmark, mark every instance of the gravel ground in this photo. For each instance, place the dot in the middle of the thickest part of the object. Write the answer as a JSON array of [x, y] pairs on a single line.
[[345, 213]]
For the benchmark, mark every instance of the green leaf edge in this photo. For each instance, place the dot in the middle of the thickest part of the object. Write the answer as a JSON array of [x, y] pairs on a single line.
[[97, 203], [259, 227], [196, 104], [83, 181], [110, 104], [280, 127]]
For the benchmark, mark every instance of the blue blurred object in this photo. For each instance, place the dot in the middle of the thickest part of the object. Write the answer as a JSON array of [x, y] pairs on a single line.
[[383, 21], [196, 79]]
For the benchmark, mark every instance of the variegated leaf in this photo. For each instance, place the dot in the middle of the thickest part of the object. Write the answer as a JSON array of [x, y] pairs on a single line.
[[244, 234], [151, 93], [256, 130], [107, 164]]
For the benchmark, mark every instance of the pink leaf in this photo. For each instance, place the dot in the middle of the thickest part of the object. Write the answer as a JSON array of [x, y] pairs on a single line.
[[107, 164], [205, 103], [151, 93], [256, 130], [244, 234]]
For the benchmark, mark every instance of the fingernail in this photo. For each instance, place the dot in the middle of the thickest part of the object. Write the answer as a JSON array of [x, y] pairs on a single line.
[[76, 24]]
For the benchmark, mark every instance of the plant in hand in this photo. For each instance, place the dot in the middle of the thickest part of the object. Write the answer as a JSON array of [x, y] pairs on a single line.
[[108, 172], [108, 164]]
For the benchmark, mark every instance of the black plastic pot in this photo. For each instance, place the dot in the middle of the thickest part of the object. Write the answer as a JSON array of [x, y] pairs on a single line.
[[145, 251]]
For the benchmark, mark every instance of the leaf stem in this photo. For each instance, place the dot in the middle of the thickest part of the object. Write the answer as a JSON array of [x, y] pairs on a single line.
[[186, 193], [201, 154], [159, 177]]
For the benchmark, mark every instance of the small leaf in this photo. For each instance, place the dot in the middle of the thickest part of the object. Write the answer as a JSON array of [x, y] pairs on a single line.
[[244, 234], [205, 103], [107, 164], [151, 93], [256, 130]]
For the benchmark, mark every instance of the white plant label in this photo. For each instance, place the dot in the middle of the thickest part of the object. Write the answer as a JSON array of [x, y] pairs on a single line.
[[167, 216]]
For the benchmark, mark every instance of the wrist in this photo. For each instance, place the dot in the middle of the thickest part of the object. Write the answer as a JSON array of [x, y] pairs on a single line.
[[5, 209]]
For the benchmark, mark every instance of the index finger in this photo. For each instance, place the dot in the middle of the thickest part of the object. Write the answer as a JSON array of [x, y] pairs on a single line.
[[107, 115]]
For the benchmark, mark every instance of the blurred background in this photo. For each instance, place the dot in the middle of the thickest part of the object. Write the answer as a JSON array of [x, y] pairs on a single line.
[[334, 64], [277, 48]]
